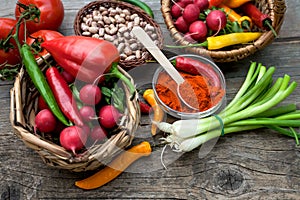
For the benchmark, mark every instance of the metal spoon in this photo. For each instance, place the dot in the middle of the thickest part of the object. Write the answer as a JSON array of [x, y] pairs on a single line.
[[149, 44]]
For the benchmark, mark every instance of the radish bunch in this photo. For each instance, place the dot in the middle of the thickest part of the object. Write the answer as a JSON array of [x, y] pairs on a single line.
[[187, 19], [99, 115]]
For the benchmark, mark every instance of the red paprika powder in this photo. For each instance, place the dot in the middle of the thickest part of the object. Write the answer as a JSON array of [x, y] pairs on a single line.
[[207, 95]]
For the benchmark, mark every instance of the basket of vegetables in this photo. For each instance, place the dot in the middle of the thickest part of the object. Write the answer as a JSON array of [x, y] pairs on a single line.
[[77, 111], [113, 21], [225, 30]]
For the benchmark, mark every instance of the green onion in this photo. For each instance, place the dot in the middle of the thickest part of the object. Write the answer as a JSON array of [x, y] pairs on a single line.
[[254, 106]]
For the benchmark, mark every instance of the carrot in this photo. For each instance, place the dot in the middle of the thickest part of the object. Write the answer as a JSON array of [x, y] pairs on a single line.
[[158, 112], [116, 167]]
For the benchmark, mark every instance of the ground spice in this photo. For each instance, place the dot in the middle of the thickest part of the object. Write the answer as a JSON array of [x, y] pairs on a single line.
[[203, 96]]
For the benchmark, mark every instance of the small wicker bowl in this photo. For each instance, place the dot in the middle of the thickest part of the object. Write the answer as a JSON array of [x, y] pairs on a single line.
[[125, 62], [24, 107], [274, 8]]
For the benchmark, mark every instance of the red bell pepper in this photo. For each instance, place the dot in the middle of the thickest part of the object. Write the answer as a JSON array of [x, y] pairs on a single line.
[[85, 58], [63, 95]]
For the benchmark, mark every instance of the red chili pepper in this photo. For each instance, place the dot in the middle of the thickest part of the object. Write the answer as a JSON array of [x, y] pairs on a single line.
[[85, 58], [145, 108], [196, 67], [63, 95], [260, 19]]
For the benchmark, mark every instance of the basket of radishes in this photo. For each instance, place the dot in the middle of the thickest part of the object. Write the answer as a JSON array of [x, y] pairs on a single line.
[[225, 30], [84, 124]]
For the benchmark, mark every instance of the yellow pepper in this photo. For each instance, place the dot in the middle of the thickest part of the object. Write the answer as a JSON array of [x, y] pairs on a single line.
[[158, 112], [235, 3], [218, 42]]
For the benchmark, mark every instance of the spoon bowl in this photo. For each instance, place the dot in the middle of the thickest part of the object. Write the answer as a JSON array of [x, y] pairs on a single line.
[[149, 44]]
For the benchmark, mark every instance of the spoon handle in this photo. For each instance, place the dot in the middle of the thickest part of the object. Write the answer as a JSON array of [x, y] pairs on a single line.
[[144, 38]]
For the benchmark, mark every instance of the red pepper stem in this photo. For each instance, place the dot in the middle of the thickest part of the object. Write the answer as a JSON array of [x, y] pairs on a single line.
[[114, 72], [203, 44], [268, 24]]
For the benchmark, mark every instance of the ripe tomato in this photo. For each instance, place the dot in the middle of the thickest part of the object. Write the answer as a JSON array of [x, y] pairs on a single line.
[[9, 54], [51, 14], [38, 37]]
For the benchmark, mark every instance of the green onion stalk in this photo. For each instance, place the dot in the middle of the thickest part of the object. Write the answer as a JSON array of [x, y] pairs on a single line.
[[255, 105]]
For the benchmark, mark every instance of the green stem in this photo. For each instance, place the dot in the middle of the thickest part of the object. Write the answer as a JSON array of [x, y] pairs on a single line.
[[203, 44], [267, 121], [252, 73], [268, 23], [295, 135], [277, 111], [114, 72], [252, 93]]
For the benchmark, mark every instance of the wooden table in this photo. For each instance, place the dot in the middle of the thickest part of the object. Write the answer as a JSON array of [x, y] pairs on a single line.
[[257, 164]]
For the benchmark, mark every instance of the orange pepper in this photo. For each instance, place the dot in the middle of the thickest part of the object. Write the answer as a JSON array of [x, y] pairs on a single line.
[[116, 167], [243, 21], [235, 3], [158, 112]]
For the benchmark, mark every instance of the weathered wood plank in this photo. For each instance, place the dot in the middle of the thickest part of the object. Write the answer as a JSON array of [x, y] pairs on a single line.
[[257, 164]]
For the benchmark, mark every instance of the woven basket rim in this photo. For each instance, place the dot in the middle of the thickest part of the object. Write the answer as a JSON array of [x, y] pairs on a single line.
[[55, 155], [126, 64], [277, 9]]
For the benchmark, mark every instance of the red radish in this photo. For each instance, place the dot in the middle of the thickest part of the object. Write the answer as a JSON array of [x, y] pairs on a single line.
[[90, 94], [202, 4], [42, 103], [98, 133], [186, 2], [108, 116], [181, 25], [59, 127], [68, 77], [73, 138], [191, 13], [198, 30], [45, 121], [86, 129], [177, 9], [216, 20], [87, 113]]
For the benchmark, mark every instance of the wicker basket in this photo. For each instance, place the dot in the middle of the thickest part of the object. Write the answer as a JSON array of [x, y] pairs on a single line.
[[24, 107], [274, 8], [89, 8]]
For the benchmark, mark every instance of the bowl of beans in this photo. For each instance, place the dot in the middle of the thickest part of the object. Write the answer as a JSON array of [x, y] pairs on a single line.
[[113, 21], [204, 90]]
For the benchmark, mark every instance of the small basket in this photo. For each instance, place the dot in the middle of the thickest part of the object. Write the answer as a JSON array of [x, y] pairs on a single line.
[[274, 8], [125, 62], [24, 98]]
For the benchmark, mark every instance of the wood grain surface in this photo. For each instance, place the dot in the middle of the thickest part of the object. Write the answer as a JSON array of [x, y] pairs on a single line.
[[257, 164]]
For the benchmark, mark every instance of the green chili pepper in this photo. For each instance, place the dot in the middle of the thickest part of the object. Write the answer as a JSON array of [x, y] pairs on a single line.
[[40, 82], [33, 70]]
